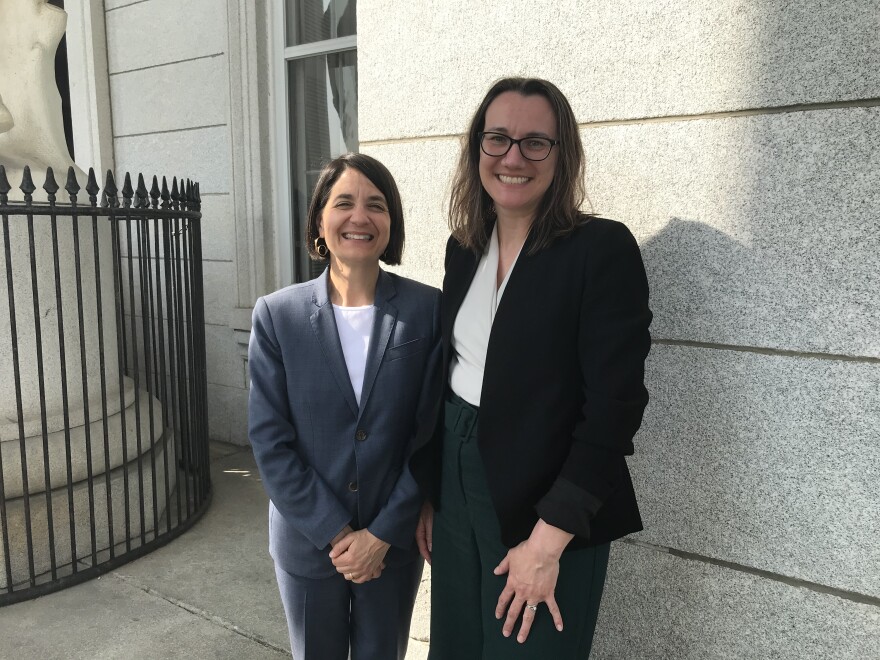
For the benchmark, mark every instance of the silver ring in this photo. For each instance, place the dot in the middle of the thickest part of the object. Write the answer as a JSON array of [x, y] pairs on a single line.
[[533, 608]]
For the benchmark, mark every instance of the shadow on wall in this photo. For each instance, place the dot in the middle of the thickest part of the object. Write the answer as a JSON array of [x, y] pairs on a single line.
[[753, 457], [692, 268]]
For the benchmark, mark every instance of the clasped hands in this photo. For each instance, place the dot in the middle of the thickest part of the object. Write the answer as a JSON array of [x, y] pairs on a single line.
[[358, 555]]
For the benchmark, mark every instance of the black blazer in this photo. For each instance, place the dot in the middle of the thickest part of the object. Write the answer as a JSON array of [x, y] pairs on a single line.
[[563, 389]]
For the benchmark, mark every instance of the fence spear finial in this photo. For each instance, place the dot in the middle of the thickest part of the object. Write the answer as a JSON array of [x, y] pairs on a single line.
[[72, 185], [154, 192], [110, 200], [92, 187], [127, 191], [50, 186], [27, 185], [141, 193], [166, 196], [4, 185], [175, 194]]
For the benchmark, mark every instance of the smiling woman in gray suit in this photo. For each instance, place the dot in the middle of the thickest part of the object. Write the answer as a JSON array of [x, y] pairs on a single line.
[[342, 370]]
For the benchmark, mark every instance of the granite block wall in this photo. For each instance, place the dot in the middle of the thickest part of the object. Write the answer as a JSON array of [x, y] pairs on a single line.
[[739, 142], [170, 93]]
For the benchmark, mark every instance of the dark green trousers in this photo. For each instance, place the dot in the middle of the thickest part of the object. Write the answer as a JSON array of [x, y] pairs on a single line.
[[466, 549]]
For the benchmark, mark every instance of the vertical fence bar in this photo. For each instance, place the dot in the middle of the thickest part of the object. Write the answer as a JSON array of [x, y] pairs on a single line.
[[168, 242], [152, 221], [93, 189], [62, 357], [197, 334], [121, 349], [198, 328], [163, 387], [186, 244], [73, 188], [192, 362], [141, 194], [41, 384], [182, 385], [27, 187], [143, 230], [4, 522]]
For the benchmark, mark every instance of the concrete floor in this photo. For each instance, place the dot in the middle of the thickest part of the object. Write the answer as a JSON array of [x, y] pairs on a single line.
[[208, 594]]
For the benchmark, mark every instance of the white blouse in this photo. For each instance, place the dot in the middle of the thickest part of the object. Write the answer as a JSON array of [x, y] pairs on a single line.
[[355, 325], [470, 333]]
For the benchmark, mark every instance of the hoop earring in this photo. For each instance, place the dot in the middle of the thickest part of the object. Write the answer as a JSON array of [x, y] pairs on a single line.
[[321, 247]]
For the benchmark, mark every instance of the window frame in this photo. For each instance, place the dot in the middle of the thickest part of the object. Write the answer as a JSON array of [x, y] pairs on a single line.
[[281, 55]]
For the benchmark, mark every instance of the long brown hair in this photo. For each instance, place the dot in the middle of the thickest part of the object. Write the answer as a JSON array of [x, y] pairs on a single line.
[[471, 210]]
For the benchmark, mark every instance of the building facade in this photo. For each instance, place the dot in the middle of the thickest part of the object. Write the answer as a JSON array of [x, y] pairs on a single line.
[[739, 141]]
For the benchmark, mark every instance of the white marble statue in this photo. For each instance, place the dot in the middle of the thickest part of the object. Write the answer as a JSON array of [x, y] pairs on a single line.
[[31, 127], [5, 117]]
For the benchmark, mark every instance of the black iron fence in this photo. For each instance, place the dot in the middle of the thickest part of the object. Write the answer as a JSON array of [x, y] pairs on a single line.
[[103, 392]]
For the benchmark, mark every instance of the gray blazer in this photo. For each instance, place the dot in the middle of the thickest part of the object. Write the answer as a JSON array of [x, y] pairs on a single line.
[[325, 461]]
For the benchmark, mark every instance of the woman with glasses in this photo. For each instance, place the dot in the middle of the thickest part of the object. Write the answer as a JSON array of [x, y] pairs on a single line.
[[545, 333], [342, 370]]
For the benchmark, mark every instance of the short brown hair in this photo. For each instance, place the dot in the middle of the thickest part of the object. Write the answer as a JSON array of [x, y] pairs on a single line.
[[380, 177], [471, 208]]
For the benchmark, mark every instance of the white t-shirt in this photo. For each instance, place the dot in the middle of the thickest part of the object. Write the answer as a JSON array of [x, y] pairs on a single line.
[[355, 325], [470, 333]]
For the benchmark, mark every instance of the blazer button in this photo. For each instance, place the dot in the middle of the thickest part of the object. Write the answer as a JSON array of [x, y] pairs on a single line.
[[360, 435], [353, 486]]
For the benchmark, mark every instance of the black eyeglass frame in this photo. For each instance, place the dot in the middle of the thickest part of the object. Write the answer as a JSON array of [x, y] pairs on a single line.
[[513, 141]]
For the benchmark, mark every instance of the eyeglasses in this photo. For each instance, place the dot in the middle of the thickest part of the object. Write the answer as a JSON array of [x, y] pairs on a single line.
[[531, 148]]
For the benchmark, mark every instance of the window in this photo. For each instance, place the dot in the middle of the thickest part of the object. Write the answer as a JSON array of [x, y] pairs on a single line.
[[316, 111]]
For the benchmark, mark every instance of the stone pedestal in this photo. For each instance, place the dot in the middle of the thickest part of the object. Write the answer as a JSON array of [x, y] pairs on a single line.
[[92, 507]]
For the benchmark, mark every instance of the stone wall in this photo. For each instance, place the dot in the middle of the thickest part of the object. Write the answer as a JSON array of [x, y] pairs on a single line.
[[740, 142], [176, 78]]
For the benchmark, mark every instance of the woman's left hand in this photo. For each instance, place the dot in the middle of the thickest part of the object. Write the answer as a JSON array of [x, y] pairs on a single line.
[[532, 570], [359, 556]]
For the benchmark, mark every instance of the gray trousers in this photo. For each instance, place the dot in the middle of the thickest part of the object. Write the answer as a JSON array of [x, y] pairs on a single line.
[[329, 616]]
